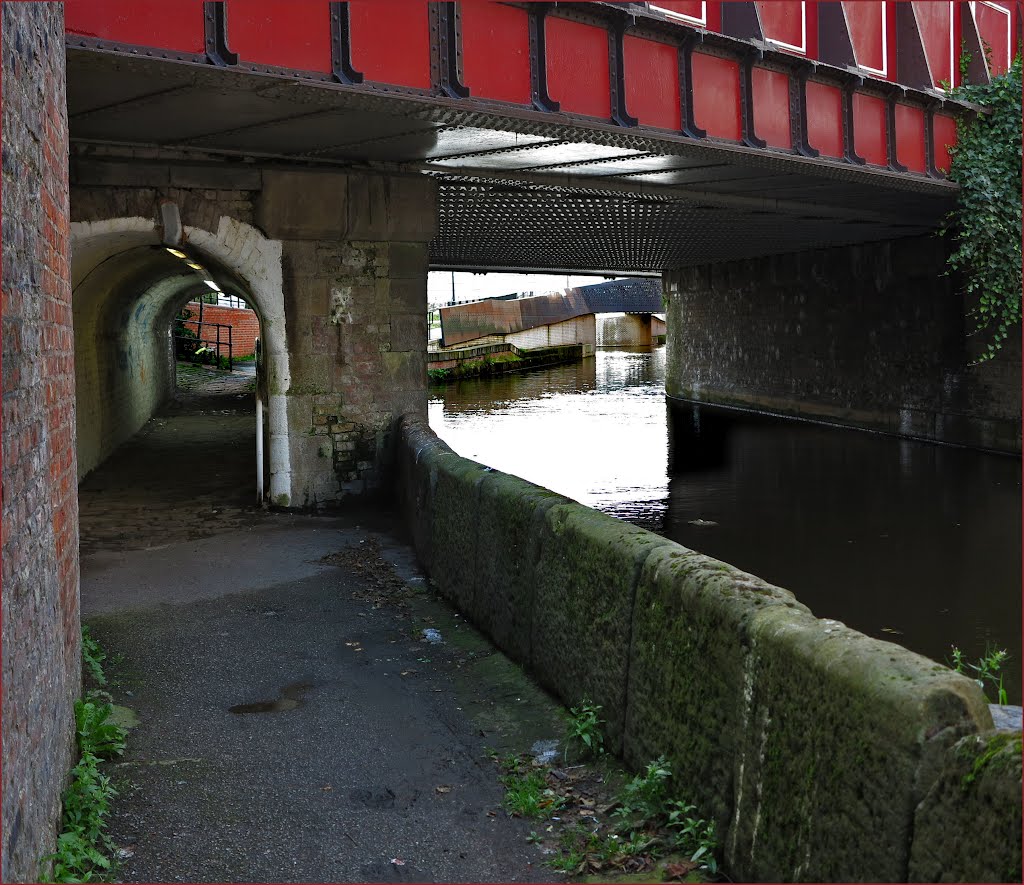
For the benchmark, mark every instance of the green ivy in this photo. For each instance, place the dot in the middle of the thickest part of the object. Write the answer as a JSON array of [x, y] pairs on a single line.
[[986, 224]]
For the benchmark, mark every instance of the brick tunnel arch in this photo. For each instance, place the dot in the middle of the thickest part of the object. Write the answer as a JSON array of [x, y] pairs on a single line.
[[126, 290]]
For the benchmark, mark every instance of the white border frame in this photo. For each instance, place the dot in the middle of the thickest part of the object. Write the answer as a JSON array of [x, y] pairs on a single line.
[[953, 72], [682, 16], [1009, 27], [802, 48], [884, 71]]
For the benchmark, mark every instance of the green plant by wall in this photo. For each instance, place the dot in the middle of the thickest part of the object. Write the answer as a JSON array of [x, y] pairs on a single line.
[[986, 671], [83, 847], [583, 730], [93, 657], [986, 224]]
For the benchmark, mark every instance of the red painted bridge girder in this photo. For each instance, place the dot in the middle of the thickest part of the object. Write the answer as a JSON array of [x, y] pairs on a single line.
[[626, 137], [814, 78]]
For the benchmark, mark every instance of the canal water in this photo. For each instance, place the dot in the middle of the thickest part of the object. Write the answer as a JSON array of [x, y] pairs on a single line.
[[910, 542]]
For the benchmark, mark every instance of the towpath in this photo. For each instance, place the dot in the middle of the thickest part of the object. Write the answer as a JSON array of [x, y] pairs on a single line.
[[295, 723]]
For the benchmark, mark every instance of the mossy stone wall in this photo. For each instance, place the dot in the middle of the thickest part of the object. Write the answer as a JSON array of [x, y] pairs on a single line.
[[822, 754]]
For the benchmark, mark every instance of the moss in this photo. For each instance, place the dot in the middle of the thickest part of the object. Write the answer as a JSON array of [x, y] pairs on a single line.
[[992, 754], [305, 390]]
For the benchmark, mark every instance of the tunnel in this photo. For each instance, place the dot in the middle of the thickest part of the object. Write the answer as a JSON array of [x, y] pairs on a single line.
[[192, 438]]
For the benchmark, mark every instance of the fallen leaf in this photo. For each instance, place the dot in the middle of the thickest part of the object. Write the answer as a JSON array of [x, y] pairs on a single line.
[[679, 870], [326, 789], [398, 862], [443, 788]]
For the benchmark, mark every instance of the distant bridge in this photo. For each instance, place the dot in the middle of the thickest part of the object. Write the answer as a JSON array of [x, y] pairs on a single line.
[[481, 319]]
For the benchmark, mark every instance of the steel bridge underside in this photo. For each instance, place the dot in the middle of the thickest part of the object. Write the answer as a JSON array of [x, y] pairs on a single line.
[[517, 191]]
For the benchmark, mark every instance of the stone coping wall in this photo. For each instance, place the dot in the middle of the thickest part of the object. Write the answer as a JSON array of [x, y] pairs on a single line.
[[811, 745]]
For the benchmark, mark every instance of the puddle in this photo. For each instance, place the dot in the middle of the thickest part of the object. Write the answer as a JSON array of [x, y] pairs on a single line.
[[292, 696]]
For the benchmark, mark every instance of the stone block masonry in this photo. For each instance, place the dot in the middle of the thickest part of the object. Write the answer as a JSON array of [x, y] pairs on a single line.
[[335, 264], [41, 669], [355, 270], [821, 754], [871, 336]]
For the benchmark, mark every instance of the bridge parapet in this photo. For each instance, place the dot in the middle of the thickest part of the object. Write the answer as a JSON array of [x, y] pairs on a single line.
[[815, 748]]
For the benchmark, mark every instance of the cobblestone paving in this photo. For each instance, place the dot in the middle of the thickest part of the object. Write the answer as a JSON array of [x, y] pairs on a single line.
[[188, 473]]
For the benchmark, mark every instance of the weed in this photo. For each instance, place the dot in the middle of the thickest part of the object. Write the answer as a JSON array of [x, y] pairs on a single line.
[[645, 795], [82, 846], [529, 796], [987, 670], [692, 835], [534, 838], [585, 849], [93, 657], [96, 735], [570, 862], [583, 729]]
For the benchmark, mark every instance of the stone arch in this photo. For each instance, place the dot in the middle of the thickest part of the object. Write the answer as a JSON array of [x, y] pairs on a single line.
[[127, 253]]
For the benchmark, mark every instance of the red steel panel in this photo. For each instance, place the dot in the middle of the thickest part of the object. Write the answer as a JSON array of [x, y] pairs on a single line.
[[693, 12], [944, 136], [284, 33], [716, 96], [577, 67], [177, 27], [825, 119], [910, 137], [869, 136], [771, 107], [995, 26], [391, 42], [652, 82], [791, 26], [496, 51], [873, 34], [935, 24]]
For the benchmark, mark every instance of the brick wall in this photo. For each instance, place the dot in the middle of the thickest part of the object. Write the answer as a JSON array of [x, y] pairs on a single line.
[[245, 326], [871, 336], [41, 670]]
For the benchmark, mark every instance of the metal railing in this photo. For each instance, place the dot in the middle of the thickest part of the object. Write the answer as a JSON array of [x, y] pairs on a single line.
[[213, 344]]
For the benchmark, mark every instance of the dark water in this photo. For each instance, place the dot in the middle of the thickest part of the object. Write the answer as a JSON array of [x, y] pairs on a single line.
[[910, 542]]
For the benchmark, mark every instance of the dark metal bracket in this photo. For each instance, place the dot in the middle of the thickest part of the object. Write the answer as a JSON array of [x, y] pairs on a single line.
[[849, 154], [929, 141], [890, 133], [750, 138], [798, 112], [341, 46], [690, 127], [215, 22], [450, 39], [538, 59], [617, 74]]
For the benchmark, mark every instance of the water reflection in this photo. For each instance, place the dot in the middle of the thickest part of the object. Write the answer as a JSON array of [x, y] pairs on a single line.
[[905, 541]]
